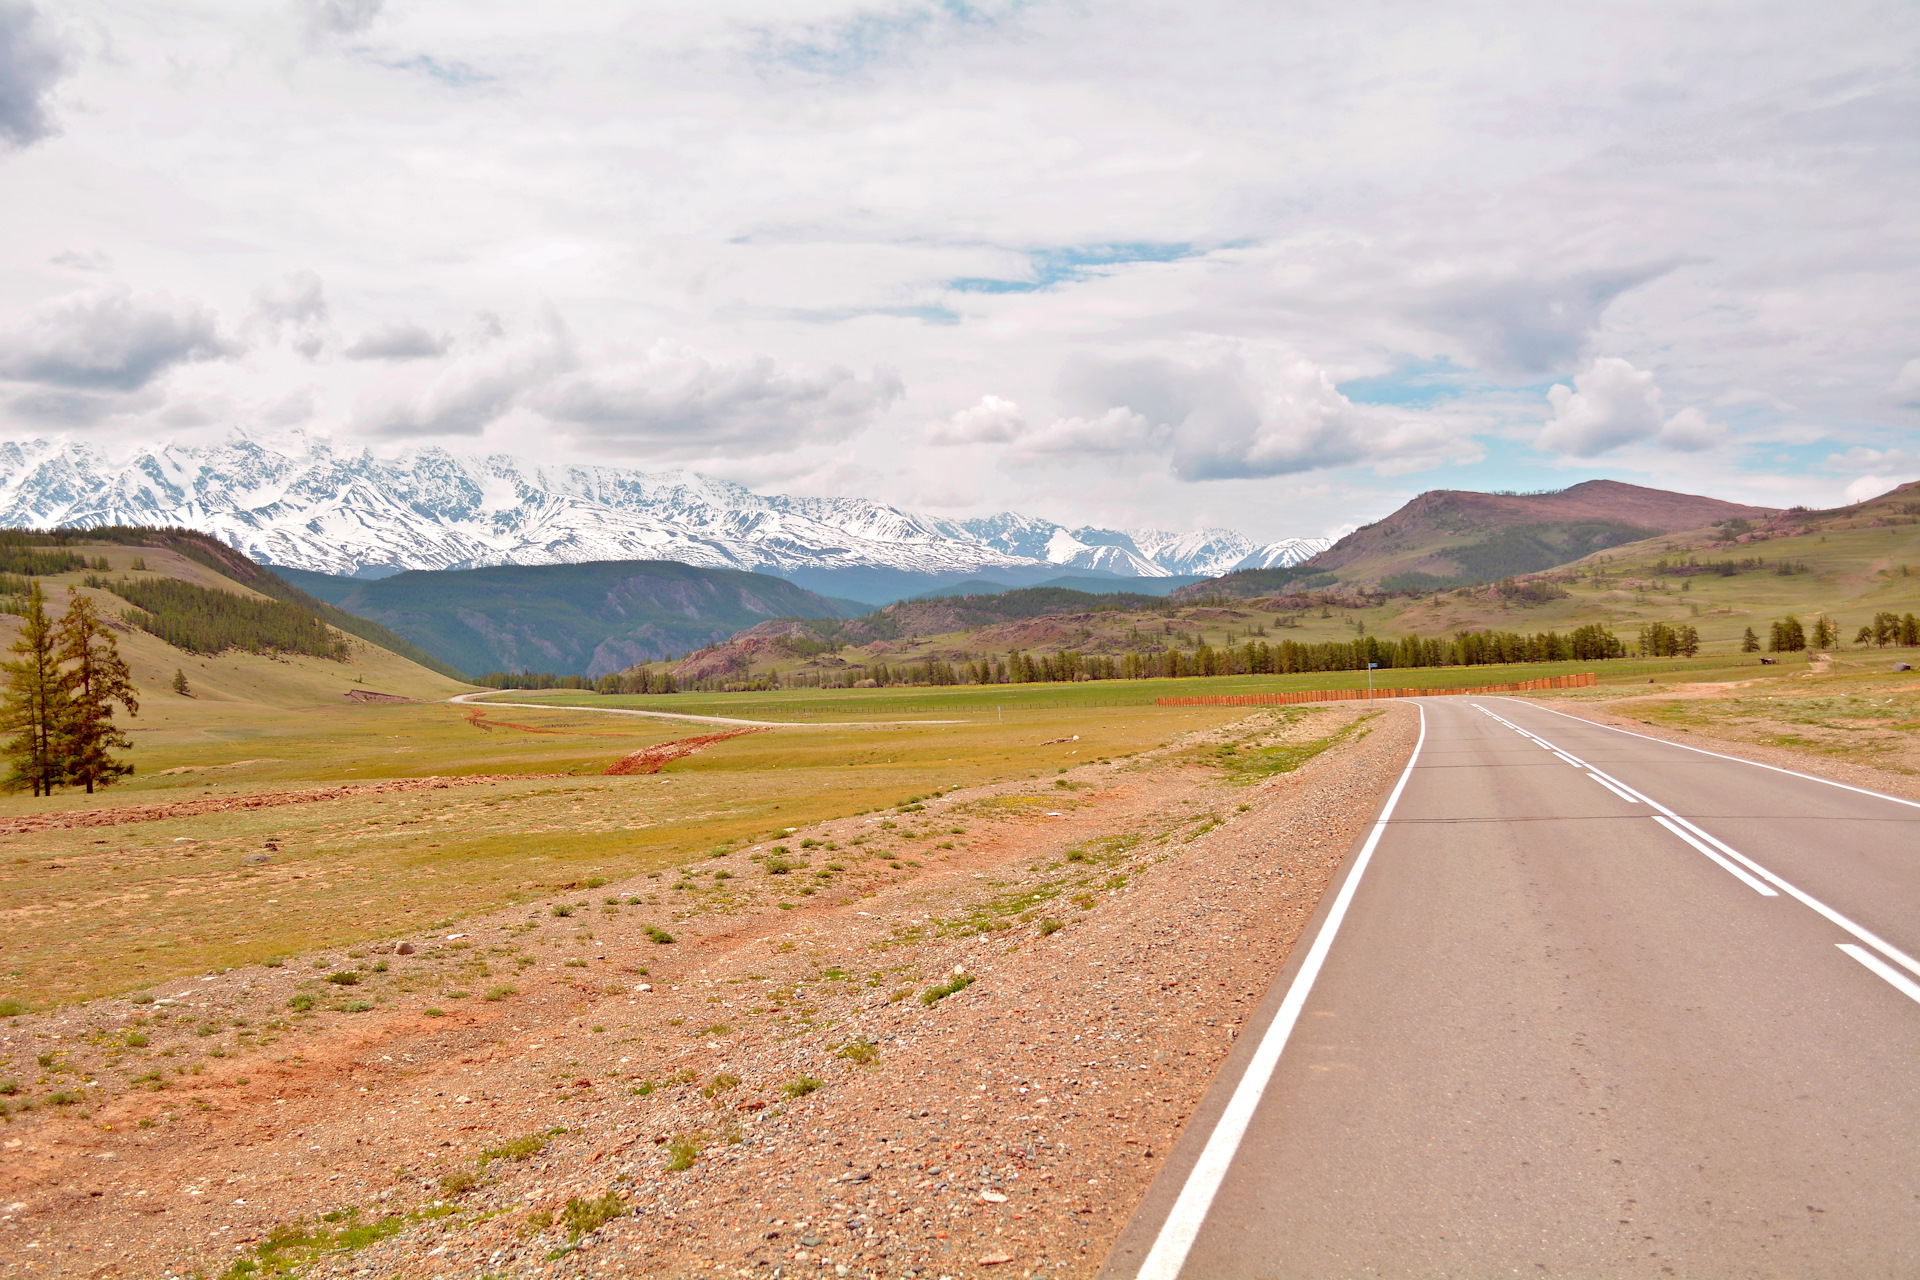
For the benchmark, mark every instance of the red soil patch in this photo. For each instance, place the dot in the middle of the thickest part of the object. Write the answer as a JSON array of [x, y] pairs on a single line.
[[651, 759]]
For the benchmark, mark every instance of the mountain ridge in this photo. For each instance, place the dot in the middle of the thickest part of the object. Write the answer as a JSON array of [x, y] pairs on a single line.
[[1451, 537], [355, 515]]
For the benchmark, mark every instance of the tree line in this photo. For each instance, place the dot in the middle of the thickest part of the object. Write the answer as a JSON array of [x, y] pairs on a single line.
[[58, 699], [202, 620], [1790, 635]]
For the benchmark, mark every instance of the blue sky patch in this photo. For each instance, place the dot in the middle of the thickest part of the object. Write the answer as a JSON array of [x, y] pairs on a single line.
[[1076, 262]]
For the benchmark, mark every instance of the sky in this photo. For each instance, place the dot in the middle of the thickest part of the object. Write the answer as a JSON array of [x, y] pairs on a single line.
[[1276, 267]]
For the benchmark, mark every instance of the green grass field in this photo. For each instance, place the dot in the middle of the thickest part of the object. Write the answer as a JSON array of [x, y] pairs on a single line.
[[1008, 701]]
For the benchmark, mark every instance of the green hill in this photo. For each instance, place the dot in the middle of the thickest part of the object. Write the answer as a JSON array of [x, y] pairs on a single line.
[[570, 619]]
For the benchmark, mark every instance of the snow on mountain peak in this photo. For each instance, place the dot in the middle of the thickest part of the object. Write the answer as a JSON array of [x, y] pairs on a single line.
[[304, 505]]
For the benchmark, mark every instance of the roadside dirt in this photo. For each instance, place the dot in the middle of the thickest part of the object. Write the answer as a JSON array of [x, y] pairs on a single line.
[[782, 1089], [118, 815]]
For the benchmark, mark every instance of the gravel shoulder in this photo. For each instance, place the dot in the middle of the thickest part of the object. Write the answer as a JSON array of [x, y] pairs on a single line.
[[954, 1038]]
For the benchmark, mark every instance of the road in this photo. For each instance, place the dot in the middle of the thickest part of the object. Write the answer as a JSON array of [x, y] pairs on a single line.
[[1584, 1003], [486, 699]]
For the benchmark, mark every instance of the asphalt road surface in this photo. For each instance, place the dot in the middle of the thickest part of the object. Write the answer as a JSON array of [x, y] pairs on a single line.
[[1584, 1003]]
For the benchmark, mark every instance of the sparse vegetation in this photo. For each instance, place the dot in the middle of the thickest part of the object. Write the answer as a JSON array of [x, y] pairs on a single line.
[[941, 990]]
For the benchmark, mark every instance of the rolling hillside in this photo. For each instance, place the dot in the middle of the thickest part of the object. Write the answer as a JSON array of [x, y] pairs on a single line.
[[570, 619], [1449, 538], [239, 704]]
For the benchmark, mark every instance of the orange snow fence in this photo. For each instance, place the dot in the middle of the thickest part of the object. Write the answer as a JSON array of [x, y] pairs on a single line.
[[1585, 680]]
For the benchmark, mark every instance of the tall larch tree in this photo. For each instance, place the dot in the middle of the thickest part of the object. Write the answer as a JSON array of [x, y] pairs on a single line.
[[96, 677], [34, 704]]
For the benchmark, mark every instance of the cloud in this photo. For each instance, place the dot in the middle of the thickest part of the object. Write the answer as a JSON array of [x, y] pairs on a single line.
[[403, 341], [476, 392], [1248, 415], [678, 401], [329, 18], [32, 61], [297, 308], [1691, 431], [1906, 387], [77, 260], [1116, 433], [1614, 404], [111, 340], [1528, 324], [1870, 487], [992, 421]]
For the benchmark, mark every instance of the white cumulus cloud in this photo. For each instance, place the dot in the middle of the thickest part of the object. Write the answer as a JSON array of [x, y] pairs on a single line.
[[992, 421], [1250, 414], [1614, 404]]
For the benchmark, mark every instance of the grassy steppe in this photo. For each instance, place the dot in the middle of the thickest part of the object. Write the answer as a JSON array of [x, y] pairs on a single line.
[[91, 910]]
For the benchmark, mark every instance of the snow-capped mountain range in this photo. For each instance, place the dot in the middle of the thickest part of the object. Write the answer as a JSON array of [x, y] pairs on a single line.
[[305, 506]]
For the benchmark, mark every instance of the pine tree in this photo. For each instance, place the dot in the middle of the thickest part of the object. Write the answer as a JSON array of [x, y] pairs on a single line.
[[180, 685], [1750, 643], [96, 679], [34, 704]]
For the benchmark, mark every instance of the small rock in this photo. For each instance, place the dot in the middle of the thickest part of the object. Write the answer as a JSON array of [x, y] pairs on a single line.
[[992, 1197], [995, 1259], [259, 857], [645, 986], [404, 949]]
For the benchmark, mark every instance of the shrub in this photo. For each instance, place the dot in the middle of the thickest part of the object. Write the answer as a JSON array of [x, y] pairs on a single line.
[[459, 1182], [12, 1008], [344, 978], [356, 1006], [799, 1086], [500, 992], [941, 990], [134, 1040], [682, 1152], [9, 1087], [562, 909], [433, 1013], [861, 1051], [777, 866], [302, 1002], [596, 882], [720, 1084], [1050, 926], [141, 997], [520, 1149], [64, 1098], [659, 935], [582, 1216]]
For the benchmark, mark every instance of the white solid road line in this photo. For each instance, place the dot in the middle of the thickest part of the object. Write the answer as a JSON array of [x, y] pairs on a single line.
[[1765, 891], [1897, 980], [1792, 773], [1867, 936], [1182, 1227]]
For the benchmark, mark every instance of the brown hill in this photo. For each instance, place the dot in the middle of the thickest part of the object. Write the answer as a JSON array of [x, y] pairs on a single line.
[[1450, 537]]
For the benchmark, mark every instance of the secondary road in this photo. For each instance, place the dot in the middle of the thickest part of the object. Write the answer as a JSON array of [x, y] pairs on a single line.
[[486, 699], [1584, 1003]]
